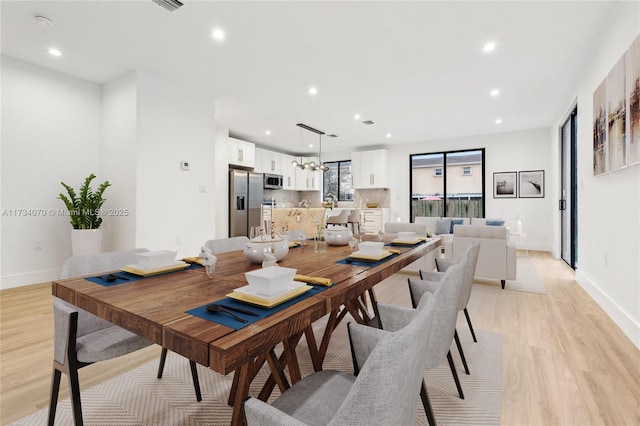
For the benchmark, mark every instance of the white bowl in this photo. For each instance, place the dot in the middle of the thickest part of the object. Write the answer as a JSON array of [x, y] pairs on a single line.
[[156, 259], [337, 236], [371, 247], [271, 280]]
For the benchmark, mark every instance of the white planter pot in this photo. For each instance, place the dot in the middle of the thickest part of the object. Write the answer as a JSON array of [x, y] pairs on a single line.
[[86, 241]]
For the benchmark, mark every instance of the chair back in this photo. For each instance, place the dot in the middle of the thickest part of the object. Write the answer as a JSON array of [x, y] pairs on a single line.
[[226, 244], [341, 218], [386, 388], [78, 266], [354, 216], [447, 299], [470, 271]]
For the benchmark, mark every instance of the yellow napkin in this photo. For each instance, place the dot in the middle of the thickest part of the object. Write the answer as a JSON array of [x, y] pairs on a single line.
[[394, 251], [313, 280], [197, 260]]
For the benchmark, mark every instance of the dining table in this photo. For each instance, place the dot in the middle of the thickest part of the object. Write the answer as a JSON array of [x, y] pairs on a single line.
[[161, 309]]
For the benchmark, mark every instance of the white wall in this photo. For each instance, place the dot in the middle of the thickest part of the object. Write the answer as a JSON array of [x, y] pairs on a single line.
[[119, 157], [174, 208], [608, 205], [51, 132]]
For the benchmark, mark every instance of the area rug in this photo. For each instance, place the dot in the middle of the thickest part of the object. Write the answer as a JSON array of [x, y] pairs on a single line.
[[527, 278], [138, 398]]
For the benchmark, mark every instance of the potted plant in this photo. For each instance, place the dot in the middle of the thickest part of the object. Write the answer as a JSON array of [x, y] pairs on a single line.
[[84, 213]]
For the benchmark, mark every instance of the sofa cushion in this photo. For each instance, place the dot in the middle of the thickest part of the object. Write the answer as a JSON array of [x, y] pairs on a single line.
[[495, 222], [456, 222], [443, 226]]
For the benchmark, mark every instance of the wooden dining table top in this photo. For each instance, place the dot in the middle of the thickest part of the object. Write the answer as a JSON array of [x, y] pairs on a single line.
[[156, 307]]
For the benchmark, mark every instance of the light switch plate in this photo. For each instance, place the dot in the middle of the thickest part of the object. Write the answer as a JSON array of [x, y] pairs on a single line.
[[184, 165]]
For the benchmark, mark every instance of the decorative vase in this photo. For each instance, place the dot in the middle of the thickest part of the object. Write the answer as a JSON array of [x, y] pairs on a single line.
[[319, 243], [86, 241]]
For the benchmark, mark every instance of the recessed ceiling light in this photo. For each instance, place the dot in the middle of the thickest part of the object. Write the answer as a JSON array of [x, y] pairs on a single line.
[[356, 117], [218, 34], [498, 120], [267, 132], [489, 47], [313, 91], [495, 92], [310, 145], [55, 52], [388, 135]]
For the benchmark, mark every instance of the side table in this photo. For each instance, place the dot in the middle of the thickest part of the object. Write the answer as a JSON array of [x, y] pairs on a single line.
[[525, 237]]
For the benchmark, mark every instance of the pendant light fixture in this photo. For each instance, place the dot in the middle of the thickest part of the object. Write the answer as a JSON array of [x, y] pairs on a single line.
[[312, 164]]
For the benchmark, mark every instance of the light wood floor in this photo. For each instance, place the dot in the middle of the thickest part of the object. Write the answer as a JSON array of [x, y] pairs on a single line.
[[564, 361]]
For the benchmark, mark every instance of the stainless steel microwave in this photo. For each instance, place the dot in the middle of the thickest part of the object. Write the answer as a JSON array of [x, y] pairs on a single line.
[[272, 181]]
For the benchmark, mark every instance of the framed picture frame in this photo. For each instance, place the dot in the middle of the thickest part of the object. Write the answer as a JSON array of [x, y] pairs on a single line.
[[505, 184], [531, 184]]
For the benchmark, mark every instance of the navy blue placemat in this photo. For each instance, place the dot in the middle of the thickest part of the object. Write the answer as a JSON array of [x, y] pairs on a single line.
[[354, 262], [100, 279], [227, 320]]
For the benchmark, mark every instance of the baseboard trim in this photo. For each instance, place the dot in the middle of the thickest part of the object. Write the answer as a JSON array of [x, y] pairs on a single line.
[[28, 278], [628, 326]]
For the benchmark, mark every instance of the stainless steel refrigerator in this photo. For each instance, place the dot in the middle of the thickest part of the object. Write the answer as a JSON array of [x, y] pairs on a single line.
[[245, 199]]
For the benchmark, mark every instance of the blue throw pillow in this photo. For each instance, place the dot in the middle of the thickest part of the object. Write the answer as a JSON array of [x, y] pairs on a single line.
[[443, 226], [455, 222], [495, 223]]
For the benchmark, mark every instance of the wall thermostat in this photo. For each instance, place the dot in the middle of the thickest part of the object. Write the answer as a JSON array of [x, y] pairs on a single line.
[[184, 165]]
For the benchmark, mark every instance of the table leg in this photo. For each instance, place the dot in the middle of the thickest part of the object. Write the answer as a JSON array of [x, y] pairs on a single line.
[[242, 391]]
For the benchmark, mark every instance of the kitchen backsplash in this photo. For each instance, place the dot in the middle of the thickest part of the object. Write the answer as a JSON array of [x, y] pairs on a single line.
[[361, 198]]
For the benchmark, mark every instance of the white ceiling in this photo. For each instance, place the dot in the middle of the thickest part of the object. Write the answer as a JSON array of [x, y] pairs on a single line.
[[414, 68]]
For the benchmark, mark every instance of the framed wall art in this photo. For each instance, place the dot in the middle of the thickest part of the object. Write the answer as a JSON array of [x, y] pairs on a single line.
[[531, 184], [505, 184]]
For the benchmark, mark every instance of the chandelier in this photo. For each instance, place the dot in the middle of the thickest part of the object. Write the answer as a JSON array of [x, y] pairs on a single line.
[[311, 165]]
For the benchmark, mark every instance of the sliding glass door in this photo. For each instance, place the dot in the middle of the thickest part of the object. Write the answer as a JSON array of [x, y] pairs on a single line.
[[447, 184]]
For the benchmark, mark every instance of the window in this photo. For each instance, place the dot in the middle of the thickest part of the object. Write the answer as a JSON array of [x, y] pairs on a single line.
[[447, 184], [337, 180]]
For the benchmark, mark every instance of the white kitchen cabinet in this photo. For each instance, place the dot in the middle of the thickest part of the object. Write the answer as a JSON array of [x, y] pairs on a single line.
[[270, 162], [306, 179], [288, 172], [373, 220], [369, 169], [241, 153]]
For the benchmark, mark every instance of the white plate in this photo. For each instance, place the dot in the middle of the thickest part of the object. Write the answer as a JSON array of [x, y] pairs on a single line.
[[249, 290], [369, 253]]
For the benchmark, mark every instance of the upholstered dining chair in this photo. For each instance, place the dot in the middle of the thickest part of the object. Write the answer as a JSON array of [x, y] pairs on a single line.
[[440, 333], [431, 281], [338, 219], [81, 338], [221, 245], [442, 265], [354, 220], [388, 368]]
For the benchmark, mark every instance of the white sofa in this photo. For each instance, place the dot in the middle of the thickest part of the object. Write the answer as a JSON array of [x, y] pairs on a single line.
[[497, 258]]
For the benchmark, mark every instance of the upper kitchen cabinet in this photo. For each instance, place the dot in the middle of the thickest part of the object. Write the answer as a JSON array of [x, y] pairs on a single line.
[[288, 172], [369, 169], [306, 179], [241, 153], [270, 162]]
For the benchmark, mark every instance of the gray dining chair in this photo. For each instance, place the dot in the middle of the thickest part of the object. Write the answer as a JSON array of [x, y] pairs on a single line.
[[441, 331], [81, 338], [431, 281], [388, 370], [221, 245]]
